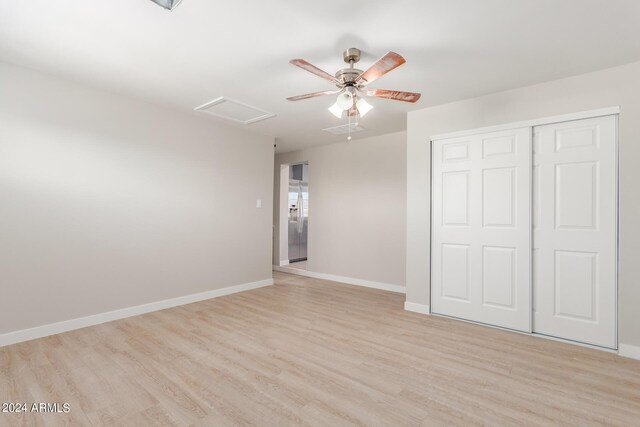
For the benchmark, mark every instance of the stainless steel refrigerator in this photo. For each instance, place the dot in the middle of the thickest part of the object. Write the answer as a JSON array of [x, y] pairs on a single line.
[[298, 212]]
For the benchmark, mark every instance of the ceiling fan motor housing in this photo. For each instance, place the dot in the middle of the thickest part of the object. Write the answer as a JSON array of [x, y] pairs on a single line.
[[348, 75]]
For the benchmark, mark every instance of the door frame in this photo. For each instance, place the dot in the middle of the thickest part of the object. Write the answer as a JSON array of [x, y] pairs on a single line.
[[589, 114], [283, 214]]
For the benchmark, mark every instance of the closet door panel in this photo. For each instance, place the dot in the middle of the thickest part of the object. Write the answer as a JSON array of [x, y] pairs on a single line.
[[481, 228], [575, 230]]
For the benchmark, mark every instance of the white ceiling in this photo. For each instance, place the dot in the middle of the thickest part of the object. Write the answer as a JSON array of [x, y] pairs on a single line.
[[204, 49]]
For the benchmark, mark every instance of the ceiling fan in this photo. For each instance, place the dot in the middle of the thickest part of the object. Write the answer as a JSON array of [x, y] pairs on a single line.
[[352, 83]]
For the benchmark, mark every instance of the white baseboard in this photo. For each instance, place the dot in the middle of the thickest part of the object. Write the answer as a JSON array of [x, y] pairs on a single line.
[[284, 262], [416, 308], [628, 350], [342, 279], [96, 319]]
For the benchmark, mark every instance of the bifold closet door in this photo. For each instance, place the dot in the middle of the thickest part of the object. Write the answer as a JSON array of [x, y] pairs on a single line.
[[481, 228], [574, 237]]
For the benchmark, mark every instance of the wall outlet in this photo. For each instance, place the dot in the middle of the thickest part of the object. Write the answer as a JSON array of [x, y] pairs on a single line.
[[258, 203]]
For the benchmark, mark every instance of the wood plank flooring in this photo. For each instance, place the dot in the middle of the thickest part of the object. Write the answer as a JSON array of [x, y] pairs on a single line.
[[312, 352]]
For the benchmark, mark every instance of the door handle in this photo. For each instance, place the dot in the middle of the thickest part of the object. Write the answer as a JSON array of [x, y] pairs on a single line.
[[300, 214]]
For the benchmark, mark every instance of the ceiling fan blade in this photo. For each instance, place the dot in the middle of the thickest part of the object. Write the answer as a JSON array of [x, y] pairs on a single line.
[[385, 64], [395, 95], [314, 70], [313, 95]]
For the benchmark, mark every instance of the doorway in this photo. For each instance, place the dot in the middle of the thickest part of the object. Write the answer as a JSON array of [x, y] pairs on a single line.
[[298, 215]]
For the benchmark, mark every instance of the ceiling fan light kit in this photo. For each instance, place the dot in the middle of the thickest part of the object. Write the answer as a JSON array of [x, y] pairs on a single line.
[[351, 84]]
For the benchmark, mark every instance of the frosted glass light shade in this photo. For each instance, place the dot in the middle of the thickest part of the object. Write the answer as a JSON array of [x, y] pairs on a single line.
[[363, 107], [345, 100], [336, 110]]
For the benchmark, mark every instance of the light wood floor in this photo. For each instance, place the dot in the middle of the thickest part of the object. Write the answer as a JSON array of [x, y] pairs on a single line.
[[300, 265], [312, 352]]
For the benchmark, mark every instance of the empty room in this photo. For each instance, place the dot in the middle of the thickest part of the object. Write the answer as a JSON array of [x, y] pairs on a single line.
[[338, 213]]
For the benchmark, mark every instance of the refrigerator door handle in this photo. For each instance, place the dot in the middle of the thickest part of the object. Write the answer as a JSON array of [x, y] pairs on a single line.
[[300, 214]]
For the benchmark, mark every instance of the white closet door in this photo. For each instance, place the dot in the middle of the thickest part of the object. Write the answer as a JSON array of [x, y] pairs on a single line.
[[481, 245], [574, 236]]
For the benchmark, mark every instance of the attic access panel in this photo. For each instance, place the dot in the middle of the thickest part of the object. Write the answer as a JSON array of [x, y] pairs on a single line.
[[236, 111]]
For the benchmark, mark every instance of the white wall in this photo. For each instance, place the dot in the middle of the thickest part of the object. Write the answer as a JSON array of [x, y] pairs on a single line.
[[618, 86], [108, 202], [357, 207]]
